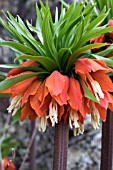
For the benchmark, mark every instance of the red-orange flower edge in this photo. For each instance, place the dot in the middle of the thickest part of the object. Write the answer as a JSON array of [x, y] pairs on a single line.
[[6, 162], [103, 38], [62, 97]]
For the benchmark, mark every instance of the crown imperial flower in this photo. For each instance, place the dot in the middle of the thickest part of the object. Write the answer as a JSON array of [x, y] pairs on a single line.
[[54, 82]]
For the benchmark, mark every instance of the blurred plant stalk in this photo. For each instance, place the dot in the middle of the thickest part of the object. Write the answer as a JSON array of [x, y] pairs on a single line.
[[33, 147], [3, 137]]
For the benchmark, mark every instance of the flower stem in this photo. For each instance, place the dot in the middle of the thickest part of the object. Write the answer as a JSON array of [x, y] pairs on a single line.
[[61, 146], [107, 143], [32, 139], [33, 147]]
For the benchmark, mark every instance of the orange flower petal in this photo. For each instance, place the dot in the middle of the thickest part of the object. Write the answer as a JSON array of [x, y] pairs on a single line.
[[55, 83], [110, 106], [45, 104], [102, 112], [42, 92], [75, 94], [21, 87], [104, 102], [63, 97], [7, 91], [67, 109], [35, 104], [82, 66], [85, 65], [32, 116], [110, 100], [30, 91], [11, 166], [26, 111], [104, 81], [60, 112], [85, 108], [81, 118], [58, 100], [16, 71], [41, 100]]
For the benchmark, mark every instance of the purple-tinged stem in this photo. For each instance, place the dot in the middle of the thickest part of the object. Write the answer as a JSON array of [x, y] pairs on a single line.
[[107, 143], [61, 146], [33, 147]]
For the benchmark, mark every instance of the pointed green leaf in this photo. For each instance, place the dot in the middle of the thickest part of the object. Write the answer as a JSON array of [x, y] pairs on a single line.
[[38, 19], [72, 23], [82, 50], [46, 62], [87, 92], [16, 79], [36, 30], [97, 21], [22, 29], [30, 68], [48, 37], [63, 56], [106, 51], [16, 117], [79, 32], [93, 33], [18, 47], [2, 77], [88, 47], [108, 61], [3, 74]]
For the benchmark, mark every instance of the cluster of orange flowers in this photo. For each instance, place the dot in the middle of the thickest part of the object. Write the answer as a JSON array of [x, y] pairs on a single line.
[[61, 97]]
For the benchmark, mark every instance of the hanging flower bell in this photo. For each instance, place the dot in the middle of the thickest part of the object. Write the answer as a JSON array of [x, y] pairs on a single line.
[[60, 80]]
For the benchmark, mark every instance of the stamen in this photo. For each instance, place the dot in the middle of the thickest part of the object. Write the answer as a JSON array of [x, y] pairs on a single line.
[[81, 129], [15, 105], [73, 117], [42, 123], [96, 88], [53, 113], [95, 116], [78, 131]]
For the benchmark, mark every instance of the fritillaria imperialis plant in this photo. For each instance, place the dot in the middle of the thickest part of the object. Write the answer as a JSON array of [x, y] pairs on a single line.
[[59, 80], [107, 52]]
